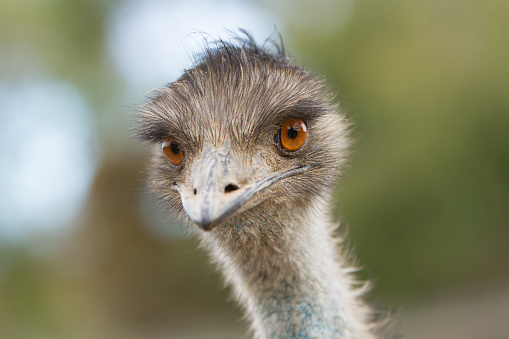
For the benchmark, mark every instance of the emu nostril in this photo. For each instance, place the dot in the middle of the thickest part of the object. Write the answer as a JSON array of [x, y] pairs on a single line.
[[195, 191], [230, 188]]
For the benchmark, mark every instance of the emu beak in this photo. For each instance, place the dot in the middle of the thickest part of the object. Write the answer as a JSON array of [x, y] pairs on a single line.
[[216, 194], [212, 196]]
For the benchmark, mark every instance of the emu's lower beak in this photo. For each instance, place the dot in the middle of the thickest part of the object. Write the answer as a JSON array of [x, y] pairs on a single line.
[[219, 187]]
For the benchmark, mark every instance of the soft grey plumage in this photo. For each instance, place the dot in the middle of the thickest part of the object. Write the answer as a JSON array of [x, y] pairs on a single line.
[[264, 209]]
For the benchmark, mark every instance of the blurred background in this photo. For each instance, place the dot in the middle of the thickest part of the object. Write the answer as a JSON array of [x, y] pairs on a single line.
[[425, 198]]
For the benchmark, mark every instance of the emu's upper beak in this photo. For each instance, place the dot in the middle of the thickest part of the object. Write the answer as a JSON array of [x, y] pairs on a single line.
[[219, 187]]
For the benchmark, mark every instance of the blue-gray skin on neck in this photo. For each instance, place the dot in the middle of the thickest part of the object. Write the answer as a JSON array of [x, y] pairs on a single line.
[[303, 319], [290, 278]]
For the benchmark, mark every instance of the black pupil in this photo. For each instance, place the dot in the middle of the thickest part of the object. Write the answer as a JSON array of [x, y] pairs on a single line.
[[175, 148], [292, 133]]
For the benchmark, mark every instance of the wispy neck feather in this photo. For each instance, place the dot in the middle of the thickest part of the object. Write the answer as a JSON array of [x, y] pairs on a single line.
[[286, 271]]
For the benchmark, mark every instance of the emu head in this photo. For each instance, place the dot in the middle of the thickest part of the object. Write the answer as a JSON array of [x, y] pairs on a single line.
[[244, 135]]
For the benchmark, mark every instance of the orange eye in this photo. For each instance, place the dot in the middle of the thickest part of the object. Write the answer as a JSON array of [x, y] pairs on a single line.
[[293, 134], [172, 151]]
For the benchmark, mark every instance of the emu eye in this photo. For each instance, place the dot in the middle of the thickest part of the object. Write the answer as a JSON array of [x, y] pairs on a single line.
[[172, 151], [293, 134]]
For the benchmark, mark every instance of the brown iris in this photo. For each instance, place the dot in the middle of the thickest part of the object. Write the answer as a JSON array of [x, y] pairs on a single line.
[[172, 151], [293, 134]]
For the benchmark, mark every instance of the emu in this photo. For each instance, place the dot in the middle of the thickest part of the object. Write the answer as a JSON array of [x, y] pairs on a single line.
[[246, 148]]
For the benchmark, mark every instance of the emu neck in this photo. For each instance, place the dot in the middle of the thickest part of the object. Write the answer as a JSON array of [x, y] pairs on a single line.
[[290, 279]]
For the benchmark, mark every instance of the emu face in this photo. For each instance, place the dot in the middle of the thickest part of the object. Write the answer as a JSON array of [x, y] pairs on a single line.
[[241, 133]]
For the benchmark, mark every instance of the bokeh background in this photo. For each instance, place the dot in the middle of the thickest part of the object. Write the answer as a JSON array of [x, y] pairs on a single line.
[[425, 198]]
